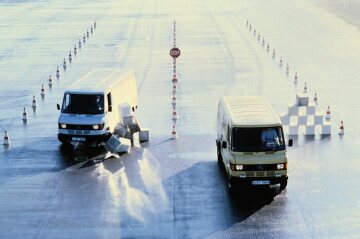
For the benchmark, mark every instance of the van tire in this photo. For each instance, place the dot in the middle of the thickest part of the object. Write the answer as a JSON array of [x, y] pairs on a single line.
[[231, 185], [283, 184], [219, 157]]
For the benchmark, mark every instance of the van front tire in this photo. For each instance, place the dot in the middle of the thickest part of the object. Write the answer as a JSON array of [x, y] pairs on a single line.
[[283, 184], [219, 157], [231, 185]]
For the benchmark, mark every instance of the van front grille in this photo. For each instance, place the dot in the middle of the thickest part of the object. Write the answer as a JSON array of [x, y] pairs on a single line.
[[260, 174], [260, 167], [78, 127], [79, 132]]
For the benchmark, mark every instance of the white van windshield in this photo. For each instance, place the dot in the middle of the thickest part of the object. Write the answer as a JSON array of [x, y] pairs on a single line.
[[257, 139], [83, 104]]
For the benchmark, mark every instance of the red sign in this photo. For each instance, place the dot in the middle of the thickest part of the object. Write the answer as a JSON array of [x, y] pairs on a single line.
[[175, 52]]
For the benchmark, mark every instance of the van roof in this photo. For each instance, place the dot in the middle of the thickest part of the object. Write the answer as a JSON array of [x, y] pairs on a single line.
[[250, 111], [98, 81]]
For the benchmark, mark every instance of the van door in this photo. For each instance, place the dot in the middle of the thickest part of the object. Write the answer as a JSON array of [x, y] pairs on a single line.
[[110, 113], [226, 151]]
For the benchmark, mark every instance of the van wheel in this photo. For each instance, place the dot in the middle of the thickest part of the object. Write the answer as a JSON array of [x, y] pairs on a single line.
[[231, 185], [219, 157], [283, 184]]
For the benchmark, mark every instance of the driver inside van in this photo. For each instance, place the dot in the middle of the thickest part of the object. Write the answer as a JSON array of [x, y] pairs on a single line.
[[269, 138]]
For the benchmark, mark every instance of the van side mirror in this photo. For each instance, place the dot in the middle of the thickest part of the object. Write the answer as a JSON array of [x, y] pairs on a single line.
[[109, 100], [57, 106], [290, 143], [224, 144]]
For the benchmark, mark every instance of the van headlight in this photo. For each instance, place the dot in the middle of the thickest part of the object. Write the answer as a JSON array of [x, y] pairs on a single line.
[[281, 166], [98, 126], [239, 167], [62, 126], [236, 167]]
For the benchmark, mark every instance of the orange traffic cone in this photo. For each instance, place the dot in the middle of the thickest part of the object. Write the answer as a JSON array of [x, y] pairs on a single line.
[[42, 92], [33, 104], [173, 102], [342, 130], [305, 89], [315, 99], [57, 72], [328, 114], [173, 133], [50, 81], [25, 117], [174, 116], [287, 69], [295, 78], [6, 139]]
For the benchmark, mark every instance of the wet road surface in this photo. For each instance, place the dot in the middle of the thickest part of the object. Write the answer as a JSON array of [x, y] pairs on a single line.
[[174, 188]]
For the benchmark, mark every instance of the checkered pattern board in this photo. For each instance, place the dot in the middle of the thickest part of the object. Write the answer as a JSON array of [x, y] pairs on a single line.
[[304, 117]]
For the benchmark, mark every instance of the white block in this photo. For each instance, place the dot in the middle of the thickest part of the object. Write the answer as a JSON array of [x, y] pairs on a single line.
[[310, 129], [310, 120], [294, 121], [144, 135], [293, 109], [293, 130], [285, 119], [121, 130], [125, 146], [326, 128], [302, 99], [125, 110], [319, 119], [311, 109], [112, 144], [302, 119], [302, 110], [128, 120]]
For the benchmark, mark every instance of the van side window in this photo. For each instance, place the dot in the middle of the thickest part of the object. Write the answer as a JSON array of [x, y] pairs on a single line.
[[66, 102], [109, 102], [228, 135]]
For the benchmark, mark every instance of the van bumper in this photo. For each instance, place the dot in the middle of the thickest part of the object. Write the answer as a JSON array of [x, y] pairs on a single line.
[[255, 181], [88, 139]]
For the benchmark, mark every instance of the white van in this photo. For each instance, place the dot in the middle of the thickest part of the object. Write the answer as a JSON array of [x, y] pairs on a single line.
[[250, 142], [91, 108]]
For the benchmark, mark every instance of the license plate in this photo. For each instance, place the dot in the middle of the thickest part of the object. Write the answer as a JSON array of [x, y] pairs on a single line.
[[261, 182], [78, 139]]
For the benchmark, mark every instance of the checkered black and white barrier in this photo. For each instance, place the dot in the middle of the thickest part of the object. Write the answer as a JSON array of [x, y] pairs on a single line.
[[304, 117]]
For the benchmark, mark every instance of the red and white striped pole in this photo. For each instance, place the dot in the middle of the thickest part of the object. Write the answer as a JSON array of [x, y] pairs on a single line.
[[174, 53]]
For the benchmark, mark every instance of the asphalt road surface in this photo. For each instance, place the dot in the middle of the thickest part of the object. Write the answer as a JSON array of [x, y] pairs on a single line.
[[174, 188]]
